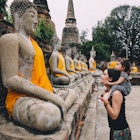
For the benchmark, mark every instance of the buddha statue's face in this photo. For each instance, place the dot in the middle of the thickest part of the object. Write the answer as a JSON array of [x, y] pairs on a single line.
[[28, 20], [68, 51], [58, 45]]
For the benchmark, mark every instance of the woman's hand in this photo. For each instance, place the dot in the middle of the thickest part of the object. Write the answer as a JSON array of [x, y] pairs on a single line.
[[104, 99], [104, 96], [106, 82]]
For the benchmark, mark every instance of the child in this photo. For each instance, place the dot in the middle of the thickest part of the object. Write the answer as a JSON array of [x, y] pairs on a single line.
[[123, 83]]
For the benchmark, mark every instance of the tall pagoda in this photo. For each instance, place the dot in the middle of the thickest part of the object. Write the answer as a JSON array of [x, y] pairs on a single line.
[[70, 34]]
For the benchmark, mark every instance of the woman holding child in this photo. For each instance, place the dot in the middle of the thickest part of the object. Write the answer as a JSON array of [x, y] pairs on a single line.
[[115, 106]]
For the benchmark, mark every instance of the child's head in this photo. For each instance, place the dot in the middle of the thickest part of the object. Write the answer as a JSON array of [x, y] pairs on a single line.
[[123, 65]]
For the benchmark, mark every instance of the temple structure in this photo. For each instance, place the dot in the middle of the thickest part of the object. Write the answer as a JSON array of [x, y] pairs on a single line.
[[5, 26], [70, 34], [44, 11]]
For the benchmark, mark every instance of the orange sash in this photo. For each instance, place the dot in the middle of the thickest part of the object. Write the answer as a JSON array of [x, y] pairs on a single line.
[[71, 66], [61, 64], [39, 77]]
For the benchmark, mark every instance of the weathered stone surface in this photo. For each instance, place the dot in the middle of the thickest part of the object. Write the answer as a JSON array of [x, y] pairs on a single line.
[[68, 128]]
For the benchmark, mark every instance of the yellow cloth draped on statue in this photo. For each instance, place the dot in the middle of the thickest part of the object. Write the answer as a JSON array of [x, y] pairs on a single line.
[[134, 69], [78, 66], [112, 65], [61, 65], [39, 77], [94, 66], [72, 66]]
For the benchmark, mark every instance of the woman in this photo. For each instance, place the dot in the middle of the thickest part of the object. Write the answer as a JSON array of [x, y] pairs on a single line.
[[115, 107]]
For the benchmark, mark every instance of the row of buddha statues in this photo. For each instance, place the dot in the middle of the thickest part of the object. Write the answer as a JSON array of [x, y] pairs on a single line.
[[30, 99], [64, 68]]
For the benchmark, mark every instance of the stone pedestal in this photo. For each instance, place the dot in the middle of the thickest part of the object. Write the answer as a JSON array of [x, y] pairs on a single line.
[[69, 126]]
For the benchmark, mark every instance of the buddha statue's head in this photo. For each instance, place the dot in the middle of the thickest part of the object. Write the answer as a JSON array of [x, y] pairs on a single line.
[[18, 8], [55, 43]]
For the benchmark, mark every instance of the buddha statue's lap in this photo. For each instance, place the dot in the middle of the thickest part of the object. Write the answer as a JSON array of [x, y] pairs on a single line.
[[24, 74]]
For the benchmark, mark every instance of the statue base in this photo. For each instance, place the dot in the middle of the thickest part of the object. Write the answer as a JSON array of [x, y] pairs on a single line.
[[83, 88]]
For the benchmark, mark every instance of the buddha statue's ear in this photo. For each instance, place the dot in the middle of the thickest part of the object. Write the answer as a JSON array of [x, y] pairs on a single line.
[[16, 21]]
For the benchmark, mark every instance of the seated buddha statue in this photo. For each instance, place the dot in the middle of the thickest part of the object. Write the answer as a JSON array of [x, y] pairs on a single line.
[[30, 99], [83, 64], [60, 76], [70, 64], [77, 64], [92, 62]]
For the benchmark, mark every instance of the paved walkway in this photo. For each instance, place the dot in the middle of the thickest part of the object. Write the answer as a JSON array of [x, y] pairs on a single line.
[[96, 125]]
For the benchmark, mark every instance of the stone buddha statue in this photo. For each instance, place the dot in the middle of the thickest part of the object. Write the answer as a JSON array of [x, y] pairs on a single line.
[[83, 64], [77, 64], [70, 64], [92, 62], [60, 76], [30, 99]]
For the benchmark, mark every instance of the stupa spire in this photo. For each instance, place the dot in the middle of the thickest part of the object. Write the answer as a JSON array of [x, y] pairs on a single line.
[[70, 34], [42, 3], [70, 13]]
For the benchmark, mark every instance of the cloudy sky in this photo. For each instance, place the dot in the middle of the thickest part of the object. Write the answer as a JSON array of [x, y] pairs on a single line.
[[87, 12]]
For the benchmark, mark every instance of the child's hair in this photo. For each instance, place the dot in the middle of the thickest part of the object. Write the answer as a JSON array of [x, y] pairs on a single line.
[[126, 64]]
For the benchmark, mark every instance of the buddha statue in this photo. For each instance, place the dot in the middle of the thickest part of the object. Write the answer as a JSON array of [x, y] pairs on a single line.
[[60, 76], [77, 63], [92, 62], [83, 64], [112, 63], [30, 99], [70, 64]]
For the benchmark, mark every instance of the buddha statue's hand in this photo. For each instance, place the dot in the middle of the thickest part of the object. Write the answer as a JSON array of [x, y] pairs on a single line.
[[61, 104], [63, 108]]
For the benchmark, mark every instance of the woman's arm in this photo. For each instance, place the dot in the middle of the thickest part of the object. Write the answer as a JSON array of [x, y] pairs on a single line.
[[114, 110]]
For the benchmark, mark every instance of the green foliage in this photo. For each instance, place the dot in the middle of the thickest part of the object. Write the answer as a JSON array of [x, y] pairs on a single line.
[[121, 28], [43, 31], [83, 36], [86, 47], [50, 31], [10, 20], [3, 6], [102, 52], [124, 24]]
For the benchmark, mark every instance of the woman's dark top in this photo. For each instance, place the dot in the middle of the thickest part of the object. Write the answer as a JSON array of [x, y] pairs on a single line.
[[120, 123]]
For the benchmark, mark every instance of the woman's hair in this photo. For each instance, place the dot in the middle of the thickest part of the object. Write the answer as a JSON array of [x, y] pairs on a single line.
[[114, 74], [126, 64]]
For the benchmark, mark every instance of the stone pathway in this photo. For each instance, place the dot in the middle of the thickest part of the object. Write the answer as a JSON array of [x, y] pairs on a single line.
[[96, 125]]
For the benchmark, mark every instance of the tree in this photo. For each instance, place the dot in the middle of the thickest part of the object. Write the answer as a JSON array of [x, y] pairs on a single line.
[[3, 6], [124, 25], [83, 36], [102, 41], [43, 31]]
